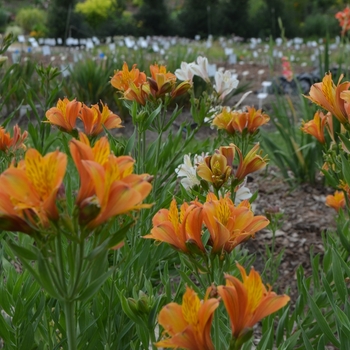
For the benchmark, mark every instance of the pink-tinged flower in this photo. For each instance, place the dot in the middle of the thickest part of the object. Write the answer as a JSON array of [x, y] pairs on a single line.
[[315, 127], [336, 201], [331, 97], [188, 326], [179, 228], [249, 301], [64, 115], [344, 19], [287, 69], [8, 143]]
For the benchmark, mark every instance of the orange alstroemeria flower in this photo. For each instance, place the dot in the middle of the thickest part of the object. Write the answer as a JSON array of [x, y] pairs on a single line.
[[162, 81], [179, 229], [336, 201], [122, 79], [81, 150], [8, 143], [249, 301], [11, 218], [35, 182], [235, 121], [65, 114], [315, 127], [215, 169], [188, 325], [230, 225], [94, 120], [140, 93], [250, 163], [330, 97], [107, 181]]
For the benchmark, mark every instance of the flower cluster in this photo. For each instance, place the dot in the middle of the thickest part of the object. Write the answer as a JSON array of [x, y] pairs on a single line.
[[29, 191], [344, 19], [225, 82], [228, 225], [66, 113], [135, 86], [247, 302], [11, 144], [234, 121], [287, 69], [333, 98], [218, 168]]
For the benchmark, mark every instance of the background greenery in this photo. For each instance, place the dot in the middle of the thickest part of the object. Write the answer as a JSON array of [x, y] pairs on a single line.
[[187, 18]]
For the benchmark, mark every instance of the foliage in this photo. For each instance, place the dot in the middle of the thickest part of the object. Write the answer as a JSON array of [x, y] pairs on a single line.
[[94, 11], [31, 18]]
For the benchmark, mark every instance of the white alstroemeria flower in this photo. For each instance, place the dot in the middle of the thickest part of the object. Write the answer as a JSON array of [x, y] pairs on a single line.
[[188, 171], [201, 68], [185, 72], [242, 194], [225, 83]]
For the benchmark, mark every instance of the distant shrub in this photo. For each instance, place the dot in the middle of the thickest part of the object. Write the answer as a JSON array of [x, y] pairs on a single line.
[[16, 30], [30, 18], [318, 24], [4, 18]]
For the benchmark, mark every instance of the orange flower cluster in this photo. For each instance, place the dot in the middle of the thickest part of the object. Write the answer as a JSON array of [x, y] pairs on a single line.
[[344, 19], [108, 188], [66, 113], [218, 168], [188, 326], [333, 98], [228, 225], [28, 192], [108, 185], [8, 143], [236, 121], [135, 86]]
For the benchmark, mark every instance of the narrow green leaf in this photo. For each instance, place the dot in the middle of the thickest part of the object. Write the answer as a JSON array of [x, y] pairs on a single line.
[[322, 323], [345, 168], [93, 287], [22, 252], [338, 277]]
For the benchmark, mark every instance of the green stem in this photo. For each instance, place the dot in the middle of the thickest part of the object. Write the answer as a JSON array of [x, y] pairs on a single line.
[[111, 297], [69, 310], [60, 265], [78, 271]]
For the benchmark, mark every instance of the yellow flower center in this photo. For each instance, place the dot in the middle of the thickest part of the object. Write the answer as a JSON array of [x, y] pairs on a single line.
[[41, 172], [190, 307], [223, 212]]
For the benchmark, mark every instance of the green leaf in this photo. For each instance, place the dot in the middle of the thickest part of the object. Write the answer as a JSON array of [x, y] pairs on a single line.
[[322, 323], [4, 330], [307, 343], [345, 169], [110, 242], [94, 286], [22, 252], [339, 277]]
